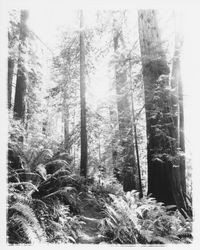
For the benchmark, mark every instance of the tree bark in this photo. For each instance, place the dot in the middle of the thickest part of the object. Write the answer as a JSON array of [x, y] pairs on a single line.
[[154, 65], [10, 80], [84, 156], [66, 118], [164, 179], [134, 128], [20, 93], [178, 119]]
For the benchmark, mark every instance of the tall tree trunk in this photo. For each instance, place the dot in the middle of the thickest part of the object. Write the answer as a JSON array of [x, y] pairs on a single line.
[[163, 171], [178, 119], [134, 129], [181, 137], [114, 127], [181, 134], [154, 65], [66, 118], [10, 80], [124, 118], [84, 156], [20, 92]]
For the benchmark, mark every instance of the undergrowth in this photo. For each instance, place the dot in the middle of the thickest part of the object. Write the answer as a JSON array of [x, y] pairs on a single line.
[[45, 198], [42, 197], [130, 220], [36, 221]]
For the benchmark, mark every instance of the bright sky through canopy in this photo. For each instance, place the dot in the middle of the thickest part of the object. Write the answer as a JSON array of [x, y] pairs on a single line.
[[45, 22]]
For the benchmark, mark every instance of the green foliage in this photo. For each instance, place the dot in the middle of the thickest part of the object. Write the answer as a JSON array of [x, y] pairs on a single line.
[[60, 226], [22, 224], [15, 129], [130, 220], [107, 186], [99, 190], [43, 212], [36, 221]]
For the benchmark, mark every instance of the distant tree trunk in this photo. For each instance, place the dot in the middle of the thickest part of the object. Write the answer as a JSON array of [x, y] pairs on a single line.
[[10, 80], [181, 133], [114, 126], [20, 92], [133, 121], [74, 144], [163, 178], [124, 118], [66, 118], [84, 156], [99, 150]]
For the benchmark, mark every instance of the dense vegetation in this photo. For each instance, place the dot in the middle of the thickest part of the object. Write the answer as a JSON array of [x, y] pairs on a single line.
[[107, 168]]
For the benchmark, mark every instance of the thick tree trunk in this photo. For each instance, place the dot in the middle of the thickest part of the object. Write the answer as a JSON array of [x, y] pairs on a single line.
[[20, 102], [164, 178], [10, 80], [84, 157], [20, 93], [154, 65], [127, 155]]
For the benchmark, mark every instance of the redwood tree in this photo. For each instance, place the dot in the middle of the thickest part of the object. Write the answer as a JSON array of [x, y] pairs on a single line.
[[127, 154], [164, 178], [10, 80], [83, 164], [20, 92]]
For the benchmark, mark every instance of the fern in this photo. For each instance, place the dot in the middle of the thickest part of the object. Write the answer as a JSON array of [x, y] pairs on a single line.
[[25, 232], [22, 215], [42, 157], [55, 165], [130, 220]]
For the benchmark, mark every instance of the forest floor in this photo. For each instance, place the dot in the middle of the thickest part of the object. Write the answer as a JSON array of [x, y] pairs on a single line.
[[90, 233]]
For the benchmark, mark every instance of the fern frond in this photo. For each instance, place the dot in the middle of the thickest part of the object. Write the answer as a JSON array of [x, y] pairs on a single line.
[[32, 186], [26, 232], [23, 213], [55, 165], [61, 172], [42, 157], [62, 191]]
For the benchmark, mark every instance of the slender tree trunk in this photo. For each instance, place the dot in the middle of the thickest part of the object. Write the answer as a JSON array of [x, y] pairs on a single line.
[[20, 92], [124, 118], [164, 180], [10, 81], [84, 156], [134, 129], [99, 150], [66, 118], [113, 130], [74, 145], [182, 137], [178, 119]]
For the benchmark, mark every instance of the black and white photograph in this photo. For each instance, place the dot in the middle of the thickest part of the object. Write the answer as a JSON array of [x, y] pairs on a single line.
[[99, 136]]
